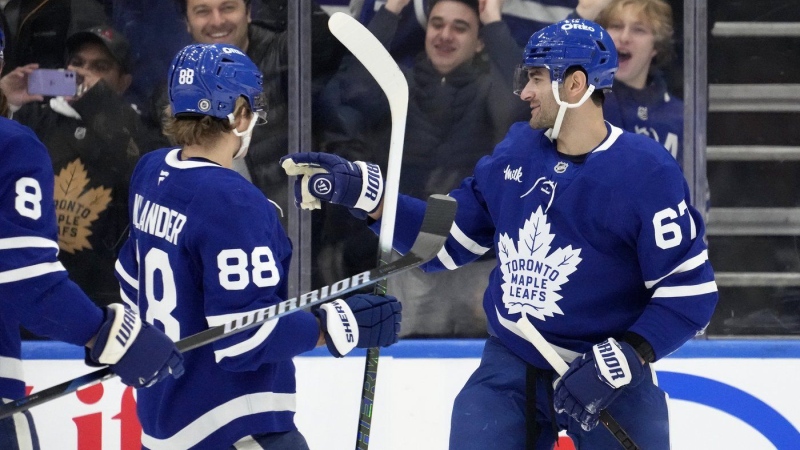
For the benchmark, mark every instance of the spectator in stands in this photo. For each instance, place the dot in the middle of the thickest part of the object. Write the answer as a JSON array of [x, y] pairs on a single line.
[[37, 31], [461, 102], [94, 140], [639, 101], [228, 21], [523, 17]]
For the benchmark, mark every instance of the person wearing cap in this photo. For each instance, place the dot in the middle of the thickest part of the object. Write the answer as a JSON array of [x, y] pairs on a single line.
[[461, 102], [94, 139]]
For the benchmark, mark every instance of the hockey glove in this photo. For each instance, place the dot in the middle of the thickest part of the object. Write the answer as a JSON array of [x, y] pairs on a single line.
[[361, 321], [330, 178], [140, 354], [594, 381]]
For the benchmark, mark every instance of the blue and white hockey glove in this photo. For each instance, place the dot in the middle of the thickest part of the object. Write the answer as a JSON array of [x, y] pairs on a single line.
[[330, 178], [594, 381], [140, 354], [361, 321]]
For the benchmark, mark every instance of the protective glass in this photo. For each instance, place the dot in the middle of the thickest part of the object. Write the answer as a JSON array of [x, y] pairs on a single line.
[[260, 102]]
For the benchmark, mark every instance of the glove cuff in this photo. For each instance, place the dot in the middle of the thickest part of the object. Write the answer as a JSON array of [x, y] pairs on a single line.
[[613, 364], [116, 335], [371, 187], [339, 324]]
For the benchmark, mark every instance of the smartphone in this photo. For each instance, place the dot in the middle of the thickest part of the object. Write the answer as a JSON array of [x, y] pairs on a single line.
[[52, 82]]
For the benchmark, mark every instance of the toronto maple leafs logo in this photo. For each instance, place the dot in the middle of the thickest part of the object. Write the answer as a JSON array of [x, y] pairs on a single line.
[[532, 273], [77, 206]]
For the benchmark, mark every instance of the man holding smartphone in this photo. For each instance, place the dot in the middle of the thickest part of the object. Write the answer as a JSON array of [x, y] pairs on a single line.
[[94, 138]]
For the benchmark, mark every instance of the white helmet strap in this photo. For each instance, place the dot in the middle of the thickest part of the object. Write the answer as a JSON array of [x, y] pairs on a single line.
[[563, 106], [246, 135]]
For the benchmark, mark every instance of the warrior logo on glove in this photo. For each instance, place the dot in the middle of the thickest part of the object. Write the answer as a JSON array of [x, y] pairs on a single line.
[[323, 187]]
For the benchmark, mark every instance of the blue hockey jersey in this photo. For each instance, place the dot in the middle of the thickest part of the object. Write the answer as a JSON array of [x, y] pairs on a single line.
[[205, 248], [34, 288], [651, 111], [586, 250]]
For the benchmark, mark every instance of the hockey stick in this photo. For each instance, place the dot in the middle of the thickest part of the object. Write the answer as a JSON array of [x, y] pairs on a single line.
[[560, 366], [380, 64], [434, 231]]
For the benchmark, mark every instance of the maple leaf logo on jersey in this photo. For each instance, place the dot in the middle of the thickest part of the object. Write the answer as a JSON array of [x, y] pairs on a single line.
[[77, 207], [532, 274]]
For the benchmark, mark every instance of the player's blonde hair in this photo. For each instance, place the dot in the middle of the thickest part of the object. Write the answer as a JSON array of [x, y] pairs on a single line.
[[657, 13], [199, 129]]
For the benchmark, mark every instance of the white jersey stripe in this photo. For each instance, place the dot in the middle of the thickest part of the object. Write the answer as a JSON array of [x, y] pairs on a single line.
[[133, 282], [686, 291], [245, 346], [687, 265], [24, 273], [247, 443], [446, 259], [466, 241], [220, 416], [612, 137], [27, 242], [173, 160], [11, 368]]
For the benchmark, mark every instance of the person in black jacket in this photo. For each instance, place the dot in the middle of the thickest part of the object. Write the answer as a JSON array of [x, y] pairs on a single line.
[[94, 139], [461, 102]]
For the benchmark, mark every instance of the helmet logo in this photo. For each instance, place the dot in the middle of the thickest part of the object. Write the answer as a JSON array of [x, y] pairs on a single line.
[[580, 26], [322, 186], [204, 105], [230, 50]]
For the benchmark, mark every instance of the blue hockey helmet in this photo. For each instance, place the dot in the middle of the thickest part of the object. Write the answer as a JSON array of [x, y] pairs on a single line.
[[570, 43], [206, 79]]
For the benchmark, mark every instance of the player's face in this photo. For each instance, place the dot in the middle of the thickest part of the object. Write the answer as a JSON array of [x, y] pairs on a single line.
[[218, 22], [539, 95], [451, 37], [635, 42]]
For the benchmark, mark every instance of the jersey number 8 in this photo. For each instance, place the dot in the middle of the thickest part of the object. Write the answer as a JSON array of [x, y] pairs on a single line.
[[29, 198]]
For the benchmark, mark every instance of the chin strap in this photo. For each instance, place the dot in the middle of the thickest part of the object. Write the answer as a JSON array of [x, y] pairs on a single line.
[[246, 135], [563, 106]]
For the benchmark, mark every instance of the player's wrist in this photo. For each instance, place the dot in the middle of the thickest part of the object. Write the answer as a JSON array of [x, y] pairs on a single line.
[[640, 345]]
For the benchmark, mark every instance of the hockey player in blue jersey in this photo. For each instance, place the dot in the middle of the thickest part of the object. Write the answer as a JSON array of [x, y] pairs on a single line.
[[36, 292], [207, 247], [597, 245]]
